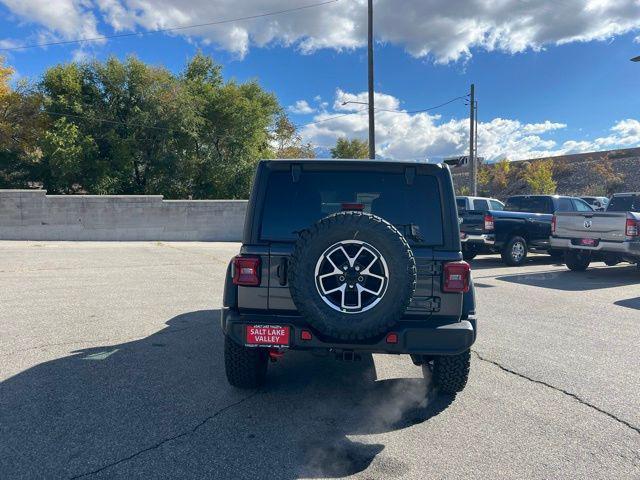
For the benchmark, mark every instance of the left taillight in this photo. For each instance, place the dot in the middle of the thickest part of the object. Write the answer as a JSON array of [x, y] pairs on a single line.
[[246, 271], [488, 222], [456, 277]]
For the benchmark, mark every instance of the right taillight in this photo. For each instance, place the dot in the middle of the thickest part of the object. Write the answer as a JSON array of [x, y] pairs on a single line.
[[456, 277], [246, 271], [633, 228], [488, 222], [554, 223]]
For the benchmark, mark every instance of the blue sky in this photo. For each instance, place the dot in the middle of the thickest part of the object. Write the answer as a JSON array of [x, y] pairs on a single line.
[[536, 97]]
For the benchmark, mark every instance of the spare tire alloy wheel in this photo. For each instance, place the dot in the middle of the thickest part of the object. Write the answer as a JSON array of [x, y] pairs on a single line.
[[352, 276]]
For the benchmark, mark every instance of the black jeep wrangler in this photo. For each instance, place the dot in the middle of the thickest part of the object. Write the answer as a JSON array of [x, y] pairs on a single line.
[[347, 257]]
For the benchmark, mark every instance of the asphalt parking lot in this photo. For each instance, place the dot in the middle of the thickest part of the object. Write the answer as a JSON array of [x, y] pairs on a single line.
[[111, 367]]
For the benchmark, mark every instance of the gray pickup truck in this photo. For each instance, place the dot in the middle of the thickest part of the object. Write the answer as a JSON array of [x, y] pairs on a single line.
[[612, 236]]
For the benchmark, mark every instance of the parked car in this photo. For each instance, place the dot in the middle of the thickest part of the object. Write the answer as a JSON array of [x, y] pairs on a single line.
[[524, 225], [599, 204], [471, 211], [465, 203], [336, 259], [612, 236]]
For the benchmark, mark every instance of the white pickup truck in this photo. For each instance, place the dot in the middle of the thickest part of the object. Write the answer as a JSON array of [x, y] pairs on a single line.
[[612, 236]]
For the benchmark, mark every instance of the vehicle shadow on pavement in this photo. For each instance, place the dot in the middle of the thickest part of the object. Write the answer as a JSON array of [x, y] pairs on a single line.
[[629, 303], [160, 407], [592, 279]]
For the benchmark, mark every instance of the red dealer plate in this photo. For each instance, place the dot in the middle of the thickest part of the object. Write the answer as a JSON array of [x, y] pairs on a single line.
[[589, 242], [267, 335]]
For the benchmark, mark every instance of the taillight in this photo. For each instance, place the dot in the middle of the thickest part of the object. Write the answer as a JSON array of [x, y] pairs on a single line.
[[246, 271], [554, 222], [457, 276], [488, 222], [633, 228]]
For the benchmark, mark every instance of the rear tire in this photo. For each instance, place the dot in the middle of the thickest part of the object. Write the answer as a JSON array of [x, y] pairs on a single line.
[[611, 260], [245, 367], [515, 252], [469, 253], [577, 260], [450, 373], [556, 254]]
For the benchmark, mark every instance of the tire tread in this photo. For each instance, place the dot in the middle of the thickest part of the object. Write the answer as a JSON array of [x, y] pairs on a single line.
[[450, 373], [245, 367]]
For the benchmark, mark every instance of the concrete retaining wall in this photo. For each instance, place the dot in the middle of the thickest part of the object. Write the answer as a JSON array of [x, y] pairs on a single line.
[[33, 215]]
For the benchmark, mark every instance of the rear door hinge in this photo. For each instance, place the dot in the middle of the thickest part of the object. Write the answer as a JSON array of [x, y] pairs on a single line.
[[430, 268]]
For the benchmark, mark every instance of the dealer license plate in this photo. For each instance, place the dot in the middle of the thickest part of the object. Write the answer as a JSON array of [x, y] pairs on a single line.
[[267, 335], [589, 242]]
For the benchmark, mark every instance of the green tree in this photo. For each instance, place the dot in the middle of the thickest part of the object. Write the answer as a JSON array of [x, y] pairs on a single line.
[[539, 177], [125, 127], [346, 148]]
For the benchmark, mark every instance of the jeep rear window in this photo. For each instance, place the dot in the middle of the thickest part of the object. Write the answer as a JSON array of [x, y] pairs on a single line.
[[291, 207]]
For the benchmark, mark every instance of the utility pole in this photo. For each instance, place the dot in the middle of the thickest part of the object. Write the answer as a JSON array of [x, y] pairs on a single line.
[[472, 141], [372, 121]]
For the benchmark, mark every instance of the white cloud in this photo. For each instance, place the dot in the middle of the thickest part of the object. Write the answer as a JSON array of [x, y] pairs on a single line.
[[66, 18], [301, 107], [444, 29], [401, 135], [9, 43]]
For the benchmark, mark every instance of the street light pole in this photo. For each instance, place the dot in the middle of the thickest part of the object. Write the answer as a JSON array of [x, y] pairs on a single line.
[[372, 124], [472, 140]]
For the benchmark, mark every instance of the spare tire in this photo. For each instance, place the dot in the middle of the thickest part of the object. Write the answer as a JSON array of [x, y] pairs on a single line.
[[352, 275]]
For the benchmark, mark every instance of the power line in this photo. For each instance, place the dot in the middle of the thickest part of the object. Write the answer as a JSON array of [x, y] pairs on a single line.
[[170, 29], [129, 124], [408, 112], [330, 118], [424, 109]]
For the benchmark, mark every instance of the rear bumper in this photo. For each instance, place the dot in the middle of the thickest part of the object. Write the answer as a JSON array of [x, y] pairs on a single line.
[[430, 338], [480, 239], [626, 248]]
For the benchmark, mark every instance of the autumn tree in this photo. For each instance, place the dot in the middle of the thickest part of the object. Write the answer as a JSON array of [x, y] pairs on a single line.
[[609, 180], [288, 142], [6, 73], [346, 148], [501, 174], [21, 127], [539, 177]]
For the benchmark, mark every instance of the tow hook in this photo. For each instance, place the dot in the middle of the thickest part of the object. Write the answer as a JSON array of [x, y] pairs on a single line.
[[275, 355]]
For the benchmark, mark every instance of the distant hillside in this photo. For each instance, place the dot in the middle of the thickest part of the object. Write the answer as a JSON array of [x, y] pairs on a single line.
[[595, 173]]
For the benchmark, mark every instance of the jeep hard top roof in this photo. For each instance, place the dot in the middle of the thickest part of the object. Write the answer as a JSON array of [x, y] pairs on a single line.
[[352, 161]]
